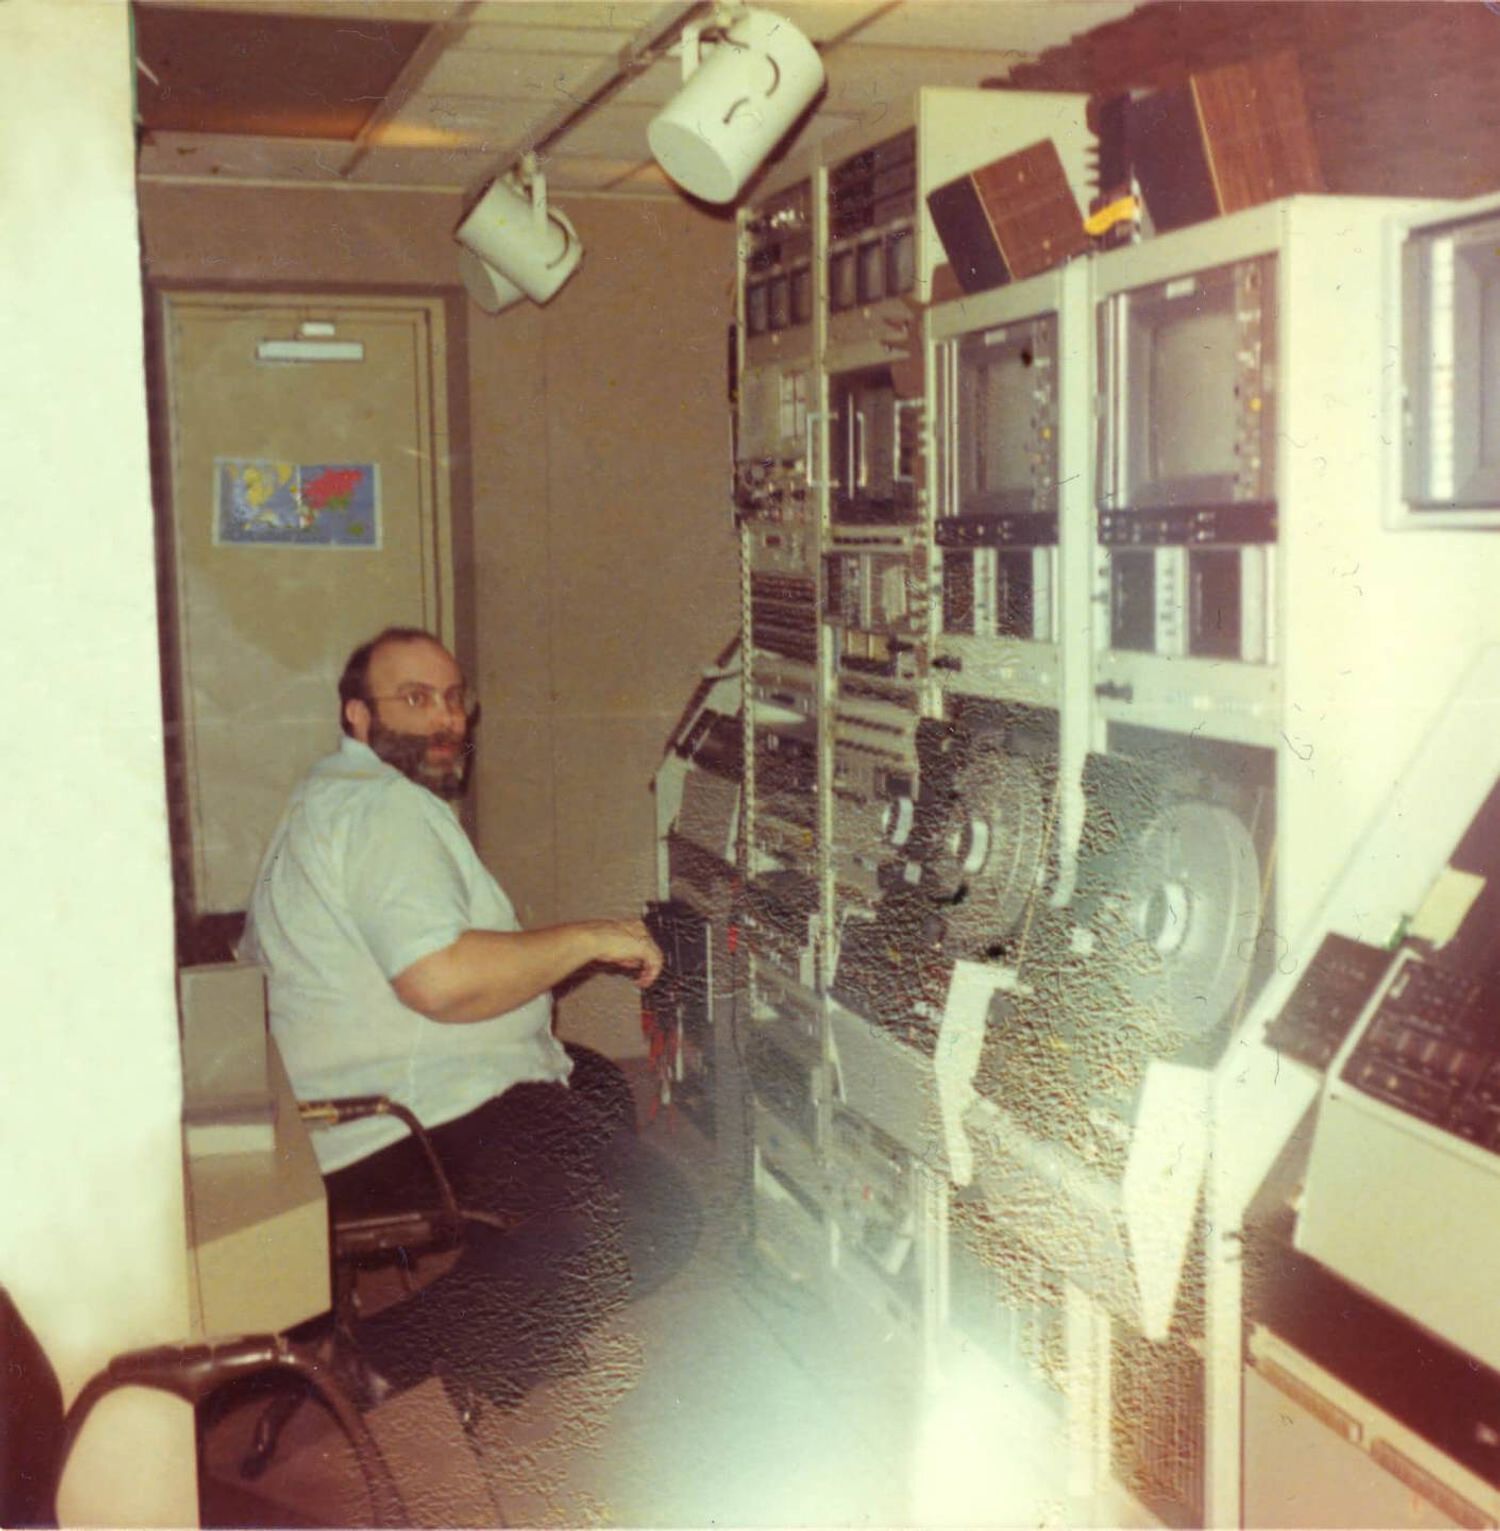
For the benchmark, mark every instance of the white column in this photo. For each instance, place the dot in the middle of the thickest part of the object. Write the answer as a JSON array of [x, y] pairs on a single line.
[[92, 1244]]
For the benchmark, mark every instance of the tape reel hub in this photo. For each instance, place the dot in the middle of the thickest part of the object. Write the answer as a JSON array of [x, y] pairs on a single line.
[[992, 856], [1193, 899]]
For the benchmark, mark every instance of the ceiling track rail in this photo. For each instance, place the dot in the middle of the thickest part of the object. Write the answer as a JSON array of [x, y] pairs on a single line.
[[654, 41]]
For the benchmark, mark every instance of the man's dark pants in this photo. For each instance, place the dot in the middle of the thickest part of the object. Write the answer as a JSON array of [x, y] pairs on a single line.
[[549, 1159]]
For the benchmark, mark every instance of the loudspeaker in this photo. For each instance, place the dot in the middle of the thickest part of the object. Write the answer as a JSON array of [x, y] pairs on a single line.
[[1009, 219], [1228, 138]]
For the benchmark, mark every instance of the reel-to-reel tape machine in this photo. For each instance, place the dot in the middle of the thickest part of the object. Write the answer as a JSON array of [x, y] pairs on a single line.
[[1155, 952], [1112, 974], [1078, 659]]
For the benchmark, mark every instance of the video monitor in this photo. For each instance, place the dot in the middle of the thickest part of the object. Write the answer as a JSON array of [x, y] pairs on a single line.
[[1191, 391], [1006, 438], [1189, 435], [1451, 357], [874, 440]]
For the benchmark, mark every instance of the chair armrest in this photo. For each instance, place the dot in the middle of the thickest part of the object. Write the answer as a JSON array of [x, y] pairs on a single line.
[[192, 1372], [378, 1234]]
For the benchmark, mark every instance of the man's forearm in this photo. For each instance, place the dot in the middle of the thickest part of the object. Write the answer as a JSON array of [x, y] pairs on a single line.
[[488, 972]]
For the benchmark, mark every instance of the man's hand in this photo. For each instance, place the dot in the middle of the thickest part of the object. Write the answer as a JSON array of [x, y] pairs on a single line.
[[625, 944]]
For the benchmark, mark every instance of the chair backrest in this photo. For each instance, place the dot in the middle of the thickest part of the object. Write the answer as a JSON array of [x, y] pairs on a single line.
[[36, 1434], [31, 1423]]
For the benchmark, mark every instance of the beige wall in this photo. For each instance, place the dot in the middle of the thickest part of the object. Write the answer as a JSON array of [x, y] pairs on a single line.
[[93, 1242], [603, 561]]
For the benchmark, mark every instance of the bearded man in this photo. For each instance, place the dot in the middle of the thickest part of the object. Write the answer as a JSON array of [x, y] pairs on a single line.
[[396, 966]]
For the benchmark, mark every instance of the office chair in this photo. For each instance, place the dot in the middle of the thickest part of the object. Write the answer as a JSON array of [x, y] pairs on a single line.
[[37, 1435], [405, 1236], [401, 1237]]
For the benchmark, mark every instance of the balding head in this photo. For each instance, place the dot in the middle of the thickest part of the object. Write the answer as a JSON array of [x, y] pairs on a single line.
[[354, 683]]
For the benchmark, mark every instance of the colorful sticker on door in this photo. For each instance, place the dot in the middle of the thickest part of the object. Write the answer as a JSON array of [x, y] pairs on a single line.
[[328, 505]]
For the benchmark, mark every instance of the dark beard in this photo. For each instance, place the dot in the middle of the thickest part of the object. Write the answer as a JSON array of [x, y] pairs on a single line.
[[448, 780]]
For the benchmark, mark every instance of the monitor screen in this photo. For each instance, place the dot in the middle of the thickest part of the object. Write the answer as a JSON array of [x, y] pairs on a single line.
[[994, 424], [1006, 442], [1476, 344], [1190, 397], [1452, 359], [1192, 408], [1488, 336]]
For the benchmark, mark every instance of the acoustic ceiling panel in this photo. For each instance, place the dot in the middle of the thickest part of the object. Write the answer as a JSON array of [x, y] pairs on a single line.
[[522, 72], [211, 71], [445, 93]]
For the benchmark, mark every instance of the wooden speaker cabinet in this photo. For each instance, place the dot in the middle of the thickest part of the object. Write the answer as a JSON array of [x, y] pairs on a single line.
[[1227, 139], [1008, 220]]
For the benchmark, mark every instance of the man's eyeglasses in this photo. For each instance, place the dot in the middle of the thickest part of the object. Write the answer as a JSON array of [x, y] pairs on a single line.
[[422, 701]]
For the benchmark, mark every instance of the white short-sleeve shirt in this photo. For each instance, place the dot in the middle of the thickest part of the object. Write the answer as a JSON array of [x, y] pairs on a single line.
[[366, 873]]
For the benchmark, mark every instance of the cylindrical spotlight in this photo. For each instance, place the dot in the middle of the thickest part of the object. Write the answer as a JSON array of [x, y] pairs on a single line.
[[491, 291], [532, 246], [735, 105]]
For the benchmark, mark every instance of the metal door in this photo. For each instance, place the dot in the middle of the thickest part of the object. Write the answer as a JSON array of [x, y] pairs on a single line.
[[309, 509]]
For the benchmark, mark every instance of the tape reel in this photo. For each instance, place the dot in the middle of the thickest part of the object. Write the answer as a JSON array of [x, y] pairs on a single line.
[[1190, 901], [870, 836], [991, 854]]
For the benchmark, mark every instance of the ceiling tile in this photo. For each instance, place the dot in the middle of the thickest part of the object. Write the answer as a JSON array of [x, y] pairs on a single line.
[[579, 172], [627, 16], [821, 21], [509, 37], [620, 129], [426, 12], [655, 85], [454, 169], [501, 74], [1024, 25], [241, 157], [516, 74], [454, 122], [863, 79], [210, 71]]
